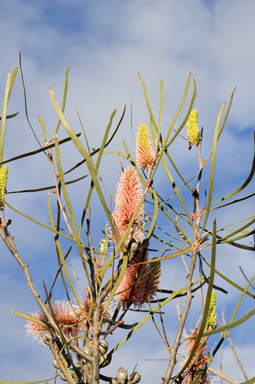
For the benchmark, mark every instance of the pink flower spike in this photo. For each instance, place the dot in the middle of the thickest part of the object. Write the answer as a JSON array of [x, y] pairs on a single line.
[[145, 155], [198, 361], [129, 195], [139, 283]]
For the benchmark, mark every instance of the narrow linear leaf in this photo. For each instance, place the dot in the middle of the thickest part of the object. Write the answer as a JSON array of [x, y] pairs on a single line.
[[43, 149], [47, 188], [71, 214], [213, 159], [246, 182], [64, 98], [27, 382], [38, 222], [29, 318], [83, 152], [229, 280], [43, 129], [4, 113], [155, 214], [10, 116], [25, 101]]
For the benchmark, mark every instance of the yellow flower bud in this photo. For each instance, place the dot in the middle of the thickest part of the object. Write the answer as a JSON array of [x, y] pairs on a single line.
[[145, 154], [3, 182], [192, 128]]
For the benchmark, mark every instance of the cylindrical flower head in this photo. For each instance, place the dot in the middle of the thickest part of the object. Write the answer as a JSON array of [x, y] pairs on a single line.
[[129, 195], [139, 289], [212, 312], [145, 154], [3, 182], [192, 128]]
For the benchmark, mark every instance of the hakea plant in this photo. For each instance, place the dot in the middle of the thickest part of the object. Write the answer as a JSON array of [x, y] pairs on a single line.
[[192, 128], [145, 155], [129, 195]]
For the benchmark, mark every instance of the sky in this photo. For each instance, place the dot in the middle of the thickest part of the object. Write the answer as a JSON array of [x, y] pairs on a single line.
[[105, 45]]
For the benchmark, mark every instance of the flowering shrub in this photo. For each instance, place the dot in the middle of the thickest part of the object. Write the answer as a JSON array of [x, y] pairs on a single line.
[[121, 276]]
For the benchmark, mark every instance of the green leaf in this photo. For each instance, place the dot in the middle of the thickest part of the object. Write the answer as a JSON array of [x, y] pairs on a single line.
[[64, 98], [27, 382], [71, 214], [229, 280], [25, 101], [30, 318], [10, 116], [83, 152], [4, 113], [43, 129], [215, 140], [155, 214], [42, 149], [47, 188], [38, 222], [245, 183]]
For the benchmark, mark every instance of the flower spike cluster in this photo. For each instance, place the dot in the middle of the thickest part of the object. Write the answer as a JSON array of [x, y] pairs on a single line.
[[145, 155], [129, 195], [192, 128]]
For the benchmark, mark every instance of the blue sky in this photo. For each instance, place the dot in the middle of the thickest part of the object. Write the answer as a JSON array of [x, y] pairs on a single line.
[[105, 45]]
